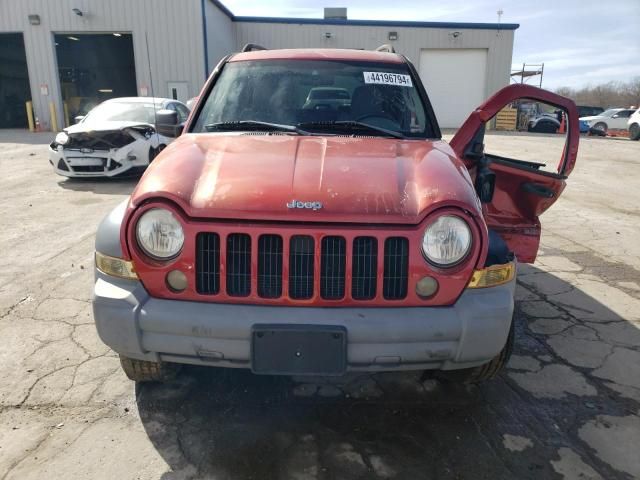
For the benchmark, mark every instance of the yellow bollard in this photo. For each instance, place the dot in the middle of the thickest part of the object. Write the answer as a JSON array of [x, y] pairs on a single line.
[[29, 106], [65, 108], [54, 117]]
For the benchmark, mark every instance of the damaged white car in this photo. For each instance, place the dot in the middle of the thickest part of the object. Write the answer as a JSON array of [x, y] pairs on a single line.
[[119, 135]]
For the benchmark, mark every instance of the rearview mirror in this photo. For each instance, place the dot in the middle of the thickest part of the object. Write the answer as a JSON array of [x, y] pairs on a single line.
[[167, 123]]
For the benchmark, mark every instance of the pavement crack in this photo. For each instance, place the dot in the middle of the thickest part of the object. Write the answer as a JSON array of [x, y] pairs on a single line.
[[491, 447], [12, 308], [17, 462]]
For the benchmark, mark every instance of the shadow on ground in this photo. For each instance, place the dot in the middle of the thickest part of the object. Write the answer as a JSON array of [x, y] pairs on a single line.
[[102, 186], [25, 137], [230, 424]]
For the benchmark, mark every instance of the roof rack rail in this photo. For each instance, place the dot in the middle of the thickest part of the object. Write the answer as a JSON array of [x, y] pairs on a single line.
[[386, 48], [252, 47]]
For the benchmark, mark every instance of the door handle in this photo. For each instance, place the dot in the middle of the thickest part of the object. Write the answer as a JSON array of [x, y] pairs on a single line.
[[537, 189]]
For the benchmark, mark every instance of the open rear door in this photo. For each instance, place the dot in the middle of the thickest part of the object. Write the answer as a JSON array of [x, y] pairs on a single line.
[[514, 191]]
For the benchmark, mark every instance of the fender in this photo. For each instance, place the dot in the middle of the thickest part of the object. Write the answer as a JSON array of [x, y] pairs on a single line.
[[108, 234]]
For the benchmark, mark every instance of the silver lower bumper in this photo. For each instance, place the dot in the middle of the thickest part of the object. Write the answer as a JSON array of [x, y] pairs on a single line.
[[469, 333]]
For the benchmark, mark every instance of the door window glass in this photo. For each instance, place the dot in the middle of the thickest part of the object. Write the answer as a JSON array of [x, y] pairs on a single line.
[[183, 112]]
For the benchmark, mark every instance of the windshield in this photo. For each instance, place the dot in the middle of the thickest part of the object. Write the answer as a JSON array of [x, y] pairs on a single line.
[[311, 93], [122, 111], [609, 113]]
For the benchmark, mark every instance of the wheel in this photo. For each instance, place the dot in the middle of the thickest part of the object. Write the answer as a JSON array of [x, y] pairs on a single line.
[[483, 372], [143, 371], [601, 126], [634, 132]]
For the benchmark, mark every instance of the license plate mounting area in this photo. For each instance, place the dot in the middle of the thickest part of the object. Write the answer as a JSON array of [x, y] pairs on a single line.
[[298, 349]]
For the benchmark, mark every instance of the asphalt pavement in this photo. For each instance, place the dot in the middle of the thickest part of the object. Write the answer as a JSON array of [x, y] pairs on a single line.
[[568, 406]]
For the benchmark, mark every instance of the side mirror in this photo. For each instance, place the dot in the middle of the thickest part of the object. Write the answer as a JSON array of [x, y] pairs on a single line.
[[167, 123], [78, 118], [616, 116]]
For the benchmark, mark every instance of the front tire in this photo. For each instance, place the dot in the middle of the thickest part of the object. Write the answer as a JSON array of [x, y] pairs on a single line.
[[144, 371], [601, 126], [634, 132], [484, 372]]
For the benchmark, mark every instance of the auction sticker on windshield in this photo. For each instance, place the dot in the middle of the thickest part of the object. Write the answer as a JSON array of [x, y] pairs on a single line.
[[386, 78]]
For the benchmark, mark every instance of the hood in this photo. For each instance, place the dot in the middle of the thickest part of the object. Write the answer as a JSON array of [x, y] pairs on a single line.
[[102, 126], [591, 118], [308, 178]]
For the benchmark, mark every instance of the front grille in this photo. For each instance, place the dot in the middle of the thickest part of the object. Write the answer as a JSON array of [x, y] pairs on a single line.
[[365, 268], [332, 262], [208, 263], [230, 257], [87, 168], [270, 266], [301, 253], [239, 265], [396, 266]]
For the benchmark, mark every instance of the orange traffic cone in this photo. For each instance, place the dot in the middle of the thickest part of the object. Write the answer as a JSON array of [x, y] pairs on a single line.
[[562, 128]]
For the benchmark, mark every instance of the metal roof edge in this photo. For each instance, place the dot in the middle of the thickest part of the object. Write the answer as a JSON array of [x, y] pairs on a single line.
[[366, 23], [223, 9], [378, 23]]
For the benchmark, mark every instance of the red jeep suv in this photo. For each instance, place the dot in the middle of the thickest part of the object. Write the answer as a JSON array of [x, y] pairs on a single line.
[[310, 220]]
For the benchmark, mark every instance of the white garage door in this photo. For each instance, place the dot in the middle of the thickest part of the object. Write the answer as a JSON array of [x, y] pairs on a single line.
[[456, 82]]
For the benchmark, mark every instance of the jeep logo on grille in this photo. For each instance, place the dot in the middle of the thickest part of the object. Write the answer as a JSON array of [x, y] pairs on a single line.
[[301, 204]]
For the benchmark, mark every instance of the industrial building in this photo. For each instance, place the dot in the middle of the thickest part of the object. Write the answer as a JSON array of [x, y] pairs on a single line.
[[68, 55]]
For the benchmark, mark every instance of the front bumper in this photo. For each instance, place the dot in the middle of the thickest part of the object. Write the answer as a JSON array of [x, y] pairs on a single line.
[[467, 334], [99, 163]]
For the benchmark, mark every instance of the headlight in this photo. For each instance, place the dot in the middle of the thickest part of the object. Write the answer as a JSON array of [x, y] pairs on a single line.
[[160, 234], [446, 241], [62, 138]]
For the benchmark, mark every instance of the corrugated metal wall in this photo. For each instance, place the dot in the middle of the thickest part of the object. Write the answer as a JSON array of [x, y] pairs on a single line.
[[221, 35], [176, 42], [410, 41], [174, 27]]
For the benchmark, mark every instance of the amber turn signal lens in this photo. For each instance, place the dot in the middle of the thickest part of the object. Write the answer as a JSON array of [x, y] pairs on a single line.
[[426, 287], [116, 267], [493, 276], [176, 280]]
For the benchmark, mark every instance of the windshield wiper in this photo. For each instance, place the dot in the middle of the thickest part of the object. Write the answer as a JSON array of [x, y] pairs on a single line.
[[350, 125], [253, 125]]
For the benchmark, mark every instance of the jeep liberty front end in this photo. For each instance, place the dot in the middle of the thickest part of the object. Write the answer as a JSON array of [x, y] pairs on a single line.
[[311, 220]]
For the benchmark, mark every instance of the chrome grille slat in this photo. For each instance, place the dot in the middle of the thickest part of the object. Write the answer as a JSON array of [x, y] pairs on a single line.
[[301, 263], [396, 268], [270, 266], [333, 257], [365, 268], [208, 263], [238, 265]]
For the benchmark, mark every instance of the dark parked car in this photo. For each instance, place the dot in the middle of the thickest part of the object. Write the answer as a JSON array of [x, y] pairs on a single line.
[[585, 111]]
